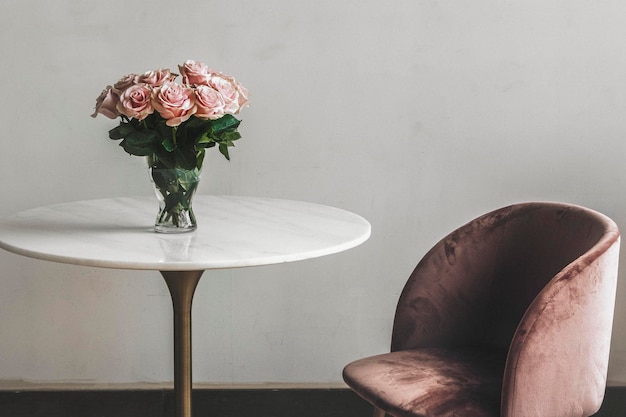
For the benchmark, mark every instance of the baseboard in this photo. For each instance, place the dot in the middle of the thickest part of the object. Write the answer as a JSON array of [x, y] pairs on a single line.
[[222, 402]]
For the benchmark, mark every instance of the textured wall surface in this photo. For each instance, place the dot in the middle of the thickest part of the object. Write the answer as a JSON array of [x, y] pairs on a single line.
[[418, 115]]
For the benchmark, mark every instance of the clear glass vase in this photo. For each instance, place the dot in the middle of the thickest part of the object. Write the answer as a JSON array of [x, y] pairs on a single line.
[[174, 188]]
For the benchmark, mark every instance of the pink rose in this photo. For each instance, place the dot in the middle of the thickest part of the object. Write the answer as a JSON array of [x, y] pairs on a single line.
[[106, 104], [156, 78], [210, 103], [135, 101], [174, 102], [194, 72], [124, 82], [243, 93], [234, 94]]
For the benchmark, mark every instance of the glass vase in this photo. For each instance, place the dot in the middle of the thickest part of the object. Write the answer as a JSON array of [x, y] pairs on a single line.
[[174, 188]]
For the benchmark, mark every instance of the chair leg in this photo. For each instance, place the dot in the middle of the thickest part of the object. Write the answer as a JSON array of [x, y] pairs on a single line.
[[378, 412]]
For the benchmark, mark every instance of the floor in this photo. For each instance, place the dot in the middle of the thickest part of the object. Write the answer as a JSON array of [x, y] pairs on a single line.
[[159, 403], [218, 403]]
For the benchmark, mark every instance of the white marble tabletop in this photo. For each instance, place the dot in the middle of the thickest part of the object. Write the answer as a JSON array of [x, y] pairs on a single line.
[[232, 232]]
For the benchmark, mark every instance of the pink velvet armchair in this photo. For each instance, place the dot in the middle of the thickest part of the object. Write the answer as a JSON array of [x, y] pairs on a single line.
[[510, 316]]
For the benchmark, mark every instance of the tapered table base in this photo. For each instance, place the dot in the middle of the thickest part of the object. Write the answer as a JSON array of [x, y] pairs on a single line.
[[182, 285]]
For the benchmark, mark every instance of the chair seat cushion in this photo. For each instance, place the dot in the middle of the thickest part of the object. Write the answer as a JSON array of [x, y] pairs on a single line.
[[434, 382]]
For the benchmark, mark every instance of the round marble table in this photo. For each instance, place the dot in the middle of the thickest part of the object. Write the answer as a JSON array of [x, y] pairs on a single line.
[[232, 232]]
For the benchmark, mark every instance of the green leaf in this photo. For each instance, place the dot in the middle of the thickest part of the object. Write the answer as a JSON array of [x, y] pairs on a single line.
[[164, 179], [200, 158], [136, 149], [185, 158], [195, 123], [206, 145], [121, 131], [226, 122], [168, 144], [204, 139], [141, 143], [163, 130], [163, 160], [224, 150], [230, 136], [187, 179], [177, 147]]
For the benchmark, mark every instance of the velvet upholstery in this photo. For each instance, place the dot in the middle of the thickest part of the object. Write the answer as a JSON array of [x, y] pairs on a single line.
[[509, 315]]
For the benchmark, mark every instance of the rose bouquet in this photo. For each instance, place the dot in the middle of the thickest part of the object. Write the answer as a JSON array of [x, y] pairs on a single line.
[[172, 124]]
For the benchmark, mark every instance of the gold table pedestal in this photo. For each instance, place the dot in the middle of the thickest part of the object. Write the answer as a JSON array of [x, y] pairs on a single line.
[[182, 285]]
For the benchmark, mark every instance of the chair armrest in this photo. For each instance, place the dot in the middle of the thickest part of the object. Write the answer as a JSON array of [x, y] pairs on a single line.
[[557, 362]]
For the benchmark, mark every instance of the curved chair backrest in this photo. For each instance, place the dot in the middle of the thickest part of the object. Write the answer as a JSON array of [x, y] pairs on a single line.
[[537, 279]]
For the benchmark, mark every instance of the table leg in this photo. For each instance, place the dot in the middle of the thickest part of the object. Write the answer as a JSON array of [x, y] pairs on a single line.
[[182, 285]]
